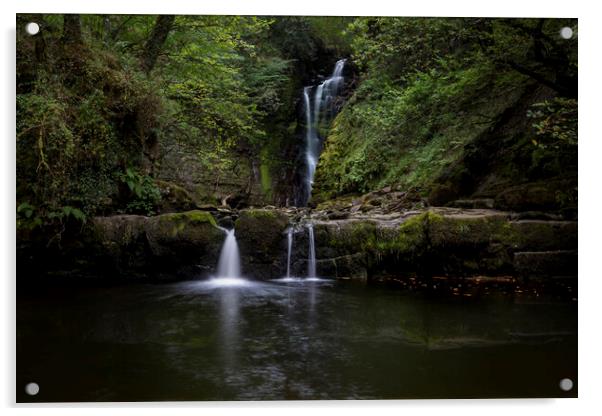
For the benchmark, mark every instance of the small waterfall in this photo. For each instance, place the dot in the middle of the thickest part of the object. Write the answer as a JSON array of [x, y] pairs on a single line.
[[322, 111], [229, 258], [290, 249], [311, 263]]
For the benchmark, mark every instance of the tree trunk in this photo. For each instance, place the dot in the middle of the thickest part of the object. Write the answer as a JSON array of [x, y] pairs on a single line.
[[72, 28], [152, 48]]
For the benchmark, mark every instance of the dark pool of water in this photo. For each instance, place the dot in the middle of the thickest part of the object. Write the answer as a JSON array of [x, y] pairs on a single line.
[[288, 340]]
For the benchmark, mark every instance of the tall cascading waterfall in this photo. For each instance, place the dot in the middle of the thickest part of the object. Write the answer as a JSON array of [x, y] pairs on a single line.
[[311, 261], [229, 258], [290, 249], [321, 110]]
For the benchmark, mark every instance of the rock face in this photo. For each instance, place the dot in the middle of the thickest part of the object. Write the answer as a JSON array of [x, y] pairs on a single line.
[[446, 242], [180, 245], [208, 181], [262, 242], [436, 242], [121, 241], [187, 245], [547, 195], [175, 198]]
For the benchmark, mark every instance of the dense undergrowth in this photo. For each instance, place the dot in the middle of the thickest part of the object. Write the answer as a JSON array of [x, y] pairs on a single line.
[[113, 110], [431, 90], [406, 136]]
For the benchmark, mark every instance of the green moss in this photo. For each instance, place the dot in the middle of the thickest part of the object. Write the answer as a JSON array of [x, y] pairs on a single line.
[[174, 198], [266, 179], [128, 235], [508, 235], [199, 217], [459, 230], [410, 238], [355, 236], [411, 233], [334, 203], [541, 235], [259, 213], [259, 233], [409, 135], [264, 171], [178, 222]]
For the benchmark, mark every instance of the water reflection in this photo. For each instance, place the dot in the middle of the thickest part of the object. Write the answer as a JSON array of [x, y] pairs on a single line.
[[229, 326], [310, 285], [288, 339]]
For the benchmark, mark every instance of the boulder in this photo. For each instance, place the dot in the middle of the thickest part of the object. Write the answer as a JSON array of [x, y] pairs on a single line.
[[262, 242], [177, 245], [435, 242], [541, 235], [122, 243], [174, 198], [439, 241], [551, 195], [188, 236], [546, 264], [477, 203]]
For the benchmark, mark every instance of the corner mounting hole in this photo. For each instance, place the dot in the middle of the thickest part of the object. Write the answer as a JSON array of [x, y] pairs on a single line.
[[32, 28], [566, 33], [32, 389], [566, 384]]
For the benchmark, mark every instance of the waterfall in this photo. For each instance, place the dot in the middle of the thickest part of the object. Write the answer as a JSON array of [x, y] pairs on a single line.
[[311, 142], [290, 248], [311, 263], [229, 258], [322, 110]]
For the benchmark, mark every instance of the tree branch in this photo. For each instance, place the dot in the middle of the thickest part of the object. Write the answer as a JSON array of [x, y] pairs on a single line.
[[152, 48]]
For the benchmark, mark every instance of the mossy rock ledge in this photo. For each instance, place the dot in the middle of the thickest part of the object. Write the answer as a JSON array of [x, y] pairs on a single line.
[[437, 242], [444, 242], [176, 245], [262, 241]]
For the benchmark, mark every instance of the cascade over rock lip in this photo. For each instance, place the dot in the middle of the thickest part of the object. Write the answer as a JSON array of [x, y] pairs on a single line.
[[363, 246]]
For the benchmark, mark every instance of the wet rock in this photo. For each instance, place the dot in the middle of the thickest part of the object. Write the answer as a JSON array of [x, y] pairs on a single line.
[[121, 242], [178, 244], [540, 235], [351, 267], [367, 207], [208, 207], [226, 222], [186, 242], [355, 208], [447, 241], [174, 198], [261, 239], [551, 195], [536, 215], [440, 241], [484, 203], [375, 202], [337, 215], [325, 267], [546, 264], [442, 193]]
